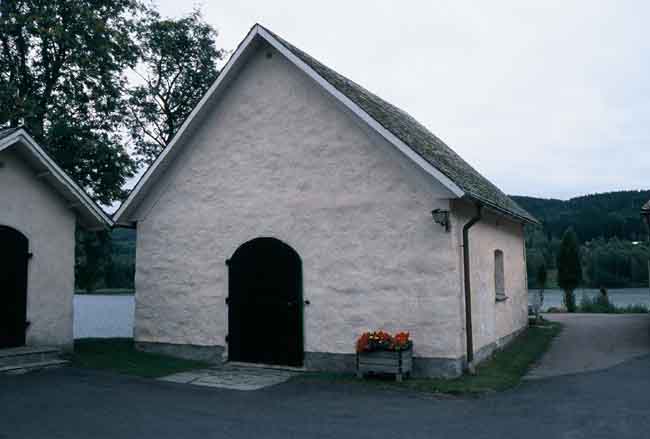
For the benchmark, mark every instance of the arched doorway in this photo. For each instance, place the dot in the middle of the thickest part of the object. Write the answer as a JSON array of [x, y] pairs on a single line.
[[14, 254], [265, 304]]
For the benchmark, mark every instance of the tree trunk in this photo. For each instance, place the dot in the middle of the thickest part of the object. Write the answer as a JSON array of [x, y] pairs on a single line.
[[569, 301]]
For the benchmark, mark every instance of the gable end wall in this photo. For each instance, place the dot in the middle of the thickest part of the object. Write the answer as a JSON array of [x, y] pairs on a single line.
[[277, 157], [39, 213]]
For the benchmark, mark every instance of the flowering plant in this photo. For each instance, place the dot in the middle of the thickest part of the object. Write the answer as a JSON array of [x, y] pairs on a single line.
[[383, 341]]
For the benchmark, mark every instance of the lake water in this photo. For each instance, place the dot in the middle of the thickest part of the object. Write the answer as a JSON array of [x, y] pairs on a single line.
[[103, 315], [112, 315], [619, 297]]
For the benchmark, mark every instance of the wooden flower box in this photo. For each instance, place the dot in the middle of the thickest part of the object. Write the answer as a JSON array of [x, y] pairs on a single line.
[[399, 362]]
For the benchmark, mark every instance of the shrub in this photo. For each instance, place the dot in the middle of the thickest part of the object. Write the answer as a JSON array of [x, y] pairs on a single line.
[[569, 274], [570, 301], [602, 304], [633, 309]]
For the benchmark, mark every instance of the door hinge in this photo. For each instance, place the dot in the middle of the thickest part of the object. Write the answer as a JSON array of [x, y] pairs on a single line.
[[227, 300], [227, 338], [227, 261], [30, 255]]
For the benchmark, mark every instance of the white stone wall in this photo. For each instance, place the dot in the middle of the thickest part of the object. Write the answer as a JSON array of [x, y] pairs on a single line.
[[279, 158], [38, 212], [492, 320]]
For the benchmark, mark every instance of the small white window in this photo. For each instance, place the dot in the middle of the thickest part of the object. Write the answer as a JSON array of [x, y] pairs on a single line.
[[499, 276]]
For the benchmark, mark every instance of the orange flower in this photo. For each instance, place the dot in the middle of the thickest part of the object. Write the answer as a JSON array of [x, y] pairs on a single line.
[[401, 340], [382, 340], [363, 342]]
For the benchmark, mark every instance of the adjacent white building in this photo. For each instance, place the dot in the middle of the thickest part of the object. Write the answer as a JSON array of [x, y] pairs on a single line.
[[295, 209], [40, 207]]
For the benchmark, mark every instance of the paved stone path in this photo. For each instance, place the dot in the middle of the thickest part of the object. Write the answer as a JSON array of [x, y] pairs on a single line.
[[232, 377], [591, 342]]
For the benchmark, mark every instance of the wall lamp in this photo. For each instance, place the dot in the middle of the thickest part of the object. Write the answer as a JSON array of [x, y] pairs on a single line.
[[441, 217]]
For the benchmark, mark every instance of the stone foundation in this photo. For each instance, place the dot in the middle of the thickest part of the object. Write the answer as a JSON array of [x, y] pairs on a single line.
[[334, 362], [346, 363], [487, 351], [211, 354]]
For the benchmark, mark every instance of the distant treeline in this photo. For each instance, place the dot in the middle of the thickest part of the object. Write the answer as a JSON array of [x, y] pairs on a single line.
[[105, 260], [614, 249], [613, 238], [607, 215]]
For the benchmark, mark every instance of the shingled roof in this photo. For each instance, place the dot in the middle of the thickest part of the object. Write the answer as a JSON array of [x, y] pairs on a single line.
[[6, 132], [416, 136]]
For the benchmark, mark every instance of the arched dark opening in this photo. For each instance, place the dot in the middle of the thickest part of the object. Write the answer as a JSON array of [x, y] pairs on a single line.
[[265, 304], [14, 254]]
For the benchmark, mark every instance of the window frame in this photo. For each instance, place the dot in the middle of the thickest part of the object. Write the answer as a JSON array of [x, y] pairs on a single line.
[[499, 276]]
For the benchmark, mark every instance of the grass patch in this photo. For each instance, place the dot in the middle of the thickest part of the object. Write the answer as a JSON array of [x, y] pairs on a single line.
[[503, 371], [107, 291], [601, 304], [119, 355]]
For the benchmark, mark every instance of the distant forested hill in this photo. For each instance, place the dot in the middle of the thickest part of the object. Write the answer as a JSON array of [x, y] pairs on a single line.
[[608, 226], [614, 251], [607, 215]]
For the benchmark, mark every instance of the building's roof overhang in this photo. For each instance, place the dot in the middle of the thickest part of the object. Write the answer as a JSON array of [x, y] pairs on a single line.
[[90, 215]]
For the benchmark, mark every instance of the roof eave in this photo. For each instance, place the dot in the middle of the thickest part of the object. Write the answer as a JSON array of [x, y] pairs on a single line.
[[525, 219], [121, 216], [92, 216]]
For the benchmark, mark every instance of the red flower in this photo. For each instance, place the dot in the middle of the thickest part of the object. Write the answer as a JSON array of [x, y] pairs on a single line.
[[382, 341]]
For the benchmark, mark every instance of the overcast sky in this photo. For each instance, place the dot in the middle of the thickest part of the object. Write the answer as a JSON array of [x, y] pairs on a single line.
[[547, 100]]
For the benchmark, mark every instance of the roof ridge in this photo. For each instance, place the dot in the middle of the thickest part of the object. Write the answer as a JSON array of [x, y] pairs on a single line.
[[416, 136], [394, 124], [4, 132]]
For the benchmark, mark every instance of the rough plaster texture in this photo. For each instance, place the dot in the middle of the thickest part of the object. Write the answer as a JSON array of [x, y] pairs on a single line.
[[39, 213], [493, 322], [275, 156], [278, 158]]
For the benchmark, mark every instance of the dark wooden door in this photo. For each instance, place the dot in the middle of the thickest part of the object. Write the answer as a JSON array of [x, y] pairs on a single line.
[[265, 304], [14, 248]]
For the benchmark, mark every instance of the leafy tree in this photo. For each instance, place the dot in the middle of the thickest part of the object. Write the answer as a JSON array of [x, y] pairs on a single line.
[[616, 263], [542, 277], [534, 260], [61, 64], [178, 63], [63, 75], [120, 270], [93, 256], [569, 266]]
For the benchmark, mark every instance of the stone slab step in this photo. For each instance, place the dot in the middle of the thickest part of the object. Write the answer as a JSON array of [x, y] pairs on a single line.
[[37, 365], [27, 354], [23, 350]]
